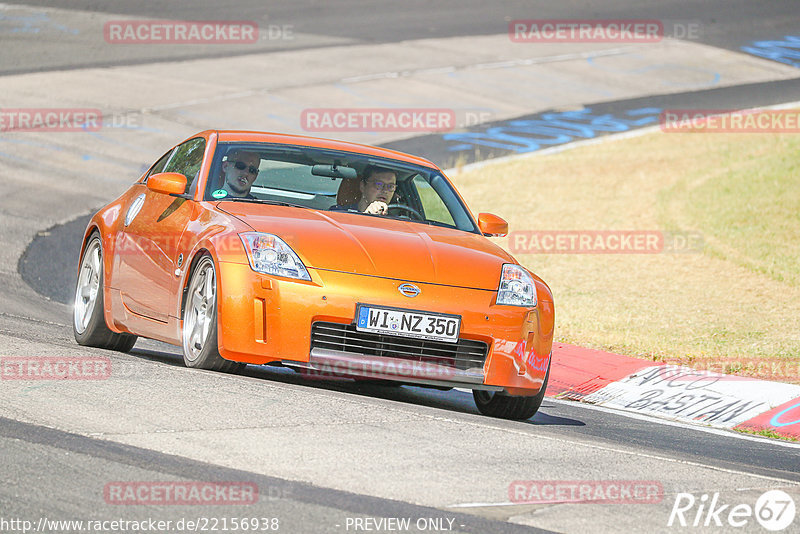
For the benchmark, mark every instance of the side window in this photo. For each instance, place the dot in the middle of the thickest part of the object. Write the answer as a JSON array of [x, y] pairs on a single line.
[[432, 204], [187, 160], [159, 166]]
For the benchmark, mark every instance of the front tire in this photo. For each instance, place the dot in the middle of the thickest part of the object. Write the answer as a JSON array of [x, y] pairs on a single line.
[[494, 404], [88, 322], [200, 349]]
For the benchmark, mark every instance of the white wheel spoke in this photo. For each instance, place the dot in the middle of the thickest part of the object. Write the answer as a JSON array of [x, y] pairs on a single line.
[[193, 344], [204, 328], [96, 261], [208, 291], [196, 337], [198, 317], [88, 286]]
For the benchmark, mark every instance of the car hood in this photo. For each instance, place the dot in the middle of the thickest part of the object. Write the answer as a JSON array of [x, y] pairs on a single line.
[[376, 246]]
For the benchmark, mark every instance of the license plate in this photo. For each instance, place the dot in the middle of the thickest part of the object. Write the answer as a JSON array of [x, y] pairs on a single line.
[[408, 323]]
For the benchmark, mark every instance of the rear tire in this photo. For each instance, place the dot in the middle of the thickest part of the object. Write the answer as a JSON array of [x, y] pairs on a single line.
[[493, 404], [88, 320], [200, 348]]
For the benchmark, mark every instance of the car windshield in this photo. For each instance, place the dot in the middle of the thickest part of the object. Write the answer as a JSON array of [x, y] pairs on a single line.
[[336, 181]]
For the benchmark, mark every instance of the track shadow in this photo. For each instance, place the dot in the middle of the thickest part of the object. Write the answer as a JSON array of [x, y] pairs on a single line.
[[49, 264], [454, 400]]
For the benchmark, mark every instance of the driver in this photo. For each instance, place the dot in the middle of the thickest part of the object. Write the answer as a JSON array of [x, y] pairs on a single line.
[[239, 171], [377, 189]]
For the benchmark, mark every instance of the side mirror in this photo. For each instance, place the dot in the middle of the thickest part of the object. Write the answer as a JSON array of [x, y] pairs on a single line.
[[168, 183], [491, 225]]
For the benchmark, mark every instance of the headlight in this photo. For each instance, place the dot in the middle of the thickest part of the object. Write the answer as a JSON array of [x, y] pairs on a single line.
[[516, 287], [271, 255]]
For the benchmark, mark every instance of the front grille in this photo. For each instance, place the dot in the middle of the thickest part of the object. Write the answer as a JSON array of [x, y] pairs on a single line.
[[465, 354]]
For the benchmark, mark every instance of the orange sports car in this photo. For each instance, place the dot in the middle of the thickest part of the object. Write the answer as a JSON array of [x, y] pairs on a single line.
[[332, 258]]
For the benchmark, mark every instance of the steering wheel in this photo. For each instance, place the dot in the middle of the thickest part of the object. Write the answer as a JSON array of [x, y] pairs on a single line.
[[411, 211]]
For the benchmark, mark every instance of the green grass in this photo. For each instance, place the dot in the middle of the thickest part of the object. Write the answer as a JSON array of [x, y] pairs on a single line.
[[764, 432], [737, 299], [750, 210]]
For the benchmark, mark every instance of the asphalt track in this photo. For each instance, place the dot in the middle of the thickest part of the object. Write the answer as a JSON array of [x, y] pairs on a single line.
[[54, 472], [725, 23]]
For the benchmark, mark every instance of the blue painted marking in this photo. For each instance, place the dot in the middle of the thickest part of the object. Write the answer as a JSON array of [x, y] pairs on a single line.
[[33, 24], [15, 157], [38, 144], [786, 51], [775, 422], [551, 129], [83, 157]]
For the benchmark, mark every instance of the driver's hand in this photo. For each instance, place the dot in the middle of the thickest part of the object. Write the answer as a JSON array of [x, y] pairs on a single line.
[[377, 208]]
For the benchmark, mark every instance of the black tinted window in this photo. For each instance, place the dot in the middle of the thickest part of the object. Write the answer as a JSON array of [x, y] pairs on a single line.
[[187, 159]]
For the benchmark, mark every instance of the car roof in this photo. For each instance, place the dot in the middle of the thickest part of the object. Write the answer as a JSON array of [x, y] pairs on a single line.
[[229, 136]]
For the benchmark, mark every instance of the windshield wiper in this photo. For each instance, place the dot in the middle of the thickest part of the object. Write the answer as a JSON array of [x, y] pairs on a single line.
[[411, 219], [438, 223], [261, 201]]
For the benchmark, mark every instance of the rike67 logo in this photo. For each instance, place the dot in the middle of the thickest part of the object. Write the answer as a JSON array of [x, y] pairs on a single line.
[[774, 510]]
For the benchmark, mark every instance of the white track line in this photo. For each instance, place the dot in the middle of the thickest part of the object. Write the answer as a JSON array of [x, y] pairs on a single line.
[[709, 430]]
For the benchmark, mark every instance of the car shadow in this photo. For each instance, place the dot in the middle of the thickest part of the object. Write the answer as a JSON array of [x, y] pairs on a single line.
[[541, 418], [161, 356], [454, 400]]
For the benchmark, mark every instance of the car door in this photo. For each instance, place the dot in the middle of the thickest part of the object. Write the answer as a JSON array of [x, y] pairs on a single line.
[[154, 227]]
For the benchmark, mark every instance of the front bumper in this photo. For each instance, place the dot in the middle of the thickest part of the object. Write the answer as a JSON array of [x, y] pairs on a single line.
[[264, 319]]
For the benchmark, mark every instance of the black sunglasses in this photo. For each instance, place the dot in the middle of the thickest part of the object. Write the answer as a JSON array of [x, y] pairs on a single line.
[[241, 165]]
